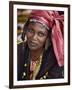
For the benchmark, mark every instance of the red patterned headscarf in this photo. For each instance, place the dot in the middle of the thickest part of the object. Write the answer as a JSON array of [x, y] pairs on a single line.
[[54, 21]]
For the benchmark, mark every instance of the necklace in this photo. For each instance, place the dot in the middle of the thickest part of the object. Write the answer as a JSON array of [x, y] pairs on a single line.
[[35, 66], [35, 58], [34, 62]]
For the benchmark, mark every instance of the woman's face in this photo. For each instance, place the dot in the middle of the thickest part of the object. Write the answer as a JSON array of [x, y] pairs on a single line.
[[36, 36]]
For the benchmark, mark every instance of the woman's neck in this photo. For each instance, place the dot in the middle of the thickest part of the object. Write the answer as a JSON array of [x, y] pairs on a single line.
[[35, 54]]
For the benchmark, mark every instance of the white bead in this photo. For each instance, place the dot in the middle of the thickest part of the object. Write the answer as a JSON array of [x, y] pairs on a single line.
[[25, 65], [24, 74], [44, 77]]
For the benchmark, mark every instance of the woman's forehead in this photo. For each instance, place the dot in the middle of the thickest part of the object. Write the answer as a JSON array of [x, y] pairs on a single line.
[[37, 25]]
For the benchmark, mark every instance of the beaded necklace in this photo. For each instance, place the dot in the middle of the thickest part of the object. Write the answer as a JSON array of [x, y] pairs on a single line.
[[35, 67]]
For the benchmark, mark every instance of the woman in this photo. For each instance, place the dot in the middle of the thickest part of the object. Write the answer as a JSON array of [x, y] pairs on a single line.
[[41, 55]]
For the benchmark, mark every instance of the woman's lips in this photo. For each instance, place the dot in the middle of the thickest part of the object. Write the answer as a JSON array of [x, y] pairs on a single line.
[[32, 43]]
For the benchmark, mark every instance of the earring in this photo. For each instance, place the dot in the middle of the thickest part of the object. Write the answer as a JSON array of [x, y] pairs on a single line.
[[47, 44], [25, 38], [24, 41]]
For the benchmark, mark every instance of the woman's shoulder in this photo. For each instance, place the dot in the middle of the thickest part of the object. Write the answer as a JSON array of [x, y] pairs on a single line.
[[21, 45], [49, 54], [21, 50]]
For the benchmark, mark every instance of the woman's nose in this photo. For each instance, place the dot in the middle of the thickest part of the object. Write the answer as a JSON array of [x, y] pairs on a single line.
[[35, 37]]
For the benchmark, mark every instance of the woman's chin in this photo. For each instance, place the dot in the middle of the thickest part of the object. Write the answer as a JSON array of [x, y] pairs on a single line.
[[33, 48]]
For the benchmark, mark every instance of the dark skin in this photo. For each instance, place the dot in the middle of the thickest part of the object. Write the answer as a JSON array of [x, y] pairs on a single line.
[[36, 38]]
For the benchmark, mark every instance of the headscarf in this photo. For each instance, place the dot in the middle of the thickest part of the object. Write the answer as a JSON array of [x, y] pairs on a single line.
[[53, 21]]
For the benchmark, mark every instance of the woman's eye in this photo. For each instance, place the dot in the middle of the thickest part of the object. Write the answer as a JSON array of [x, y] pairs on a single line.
[[30, 30], [41, 34]]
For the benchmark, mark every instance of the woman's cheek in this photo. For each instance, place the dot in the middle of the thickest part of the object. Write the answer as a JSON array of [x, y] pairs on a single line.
[[29, 36], [42, 41]]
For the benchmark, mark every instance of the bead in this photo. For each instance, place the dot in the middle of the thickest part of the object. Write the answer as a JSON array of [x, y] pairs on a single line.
[[44, 77], [24, 74], [25, 65]]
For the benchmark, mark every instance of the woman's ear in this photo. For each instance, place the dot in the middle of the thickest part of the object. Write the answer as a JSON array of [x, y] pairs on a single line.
[[47, 43]]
